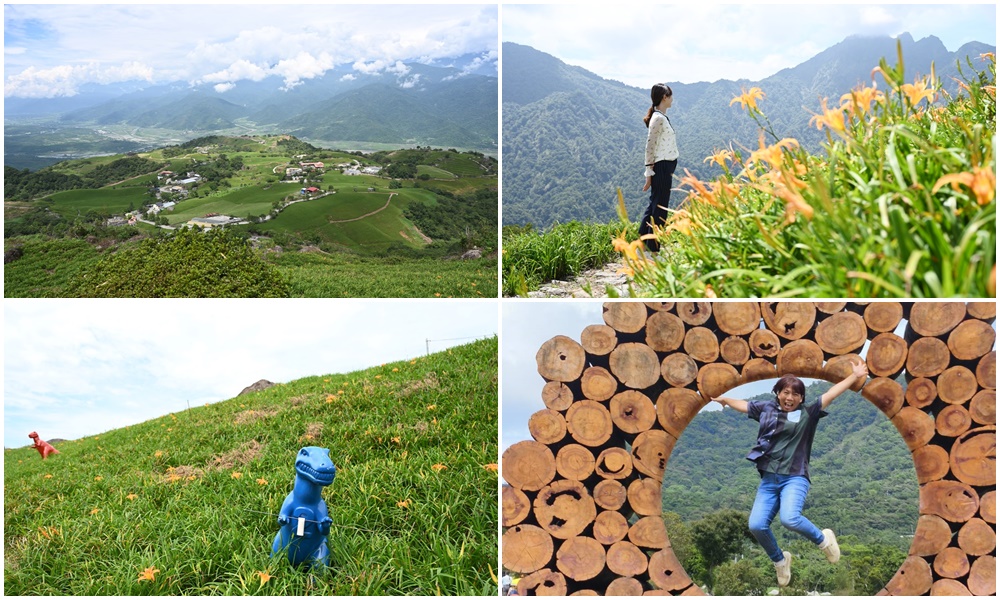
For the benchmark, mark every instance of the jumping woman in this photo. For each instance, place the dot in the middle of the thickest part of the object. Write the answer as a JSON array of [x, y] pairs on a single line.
[[784, 442], [661, 160]]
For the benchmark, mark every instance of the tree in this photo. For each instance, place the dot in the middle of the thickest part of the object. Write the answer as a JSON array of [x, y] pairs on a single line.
[[721, 535], [741, 578]]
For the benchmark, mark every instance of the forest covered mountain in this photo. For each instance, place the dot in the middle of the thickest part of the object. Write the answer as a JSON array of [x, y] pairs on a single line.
[[570, 137], [863, 480], [415, 104]]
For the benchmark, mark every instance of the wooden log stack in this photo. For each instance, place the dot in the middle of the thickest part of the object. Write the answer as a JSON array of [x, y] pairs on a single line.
[[582, 507]]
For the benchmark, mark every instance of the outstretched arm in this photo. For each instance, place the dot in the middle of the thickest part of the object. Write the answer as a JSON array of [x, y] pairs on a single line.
[[739, 405], [860, 371]]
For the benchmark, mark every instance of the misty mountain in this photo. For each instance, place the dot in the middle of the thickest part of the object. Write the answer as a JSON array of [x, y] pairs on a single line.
[[453, 105], [572, 137]]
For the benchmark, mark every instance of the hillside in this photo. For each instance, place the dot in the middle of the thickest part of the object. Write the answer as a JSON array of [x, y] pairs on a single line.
[[864, 482], [362, 217], [572, 137], [193, 494]]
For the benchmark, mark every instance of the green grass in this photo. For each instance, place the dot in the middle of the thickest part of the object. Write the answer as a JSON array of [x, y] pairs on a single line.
[[237, 203], [344, 275], [111, 200], [151, 496], [531, 258], [434, 172], [376, 231]]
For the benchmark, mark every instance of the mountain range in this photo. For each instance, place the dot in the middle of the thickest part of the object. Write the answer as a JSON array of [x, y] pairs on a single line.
[[453, 106], [571, 137]]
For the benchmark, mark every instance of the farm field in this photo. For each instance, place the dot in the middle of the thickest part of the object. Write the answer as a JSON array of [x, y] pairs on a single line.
[[238, 203], [191, 497], [106, 200]]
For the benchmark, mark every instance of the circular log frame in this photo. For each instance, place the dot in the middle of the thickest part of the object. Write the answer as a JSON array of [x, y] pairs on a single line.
[[956, 464]]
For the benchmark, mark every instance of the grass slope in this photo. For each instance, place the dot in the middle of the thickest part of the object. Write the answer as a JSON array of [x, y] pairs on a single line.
[[413, 505]]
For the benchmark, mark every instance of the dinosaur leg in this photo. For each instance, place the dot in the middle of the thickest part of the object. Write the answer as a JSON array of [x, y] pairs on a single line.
[[321, 556]]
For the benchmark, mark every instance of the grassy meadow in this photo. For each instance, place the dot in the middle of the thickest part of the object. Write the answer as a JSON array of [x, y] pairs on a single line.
[[185, 504]]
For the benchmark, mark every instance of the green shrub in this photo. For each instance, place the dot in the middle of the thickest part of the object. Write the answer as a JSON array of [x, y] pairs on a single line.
[[187, 264]]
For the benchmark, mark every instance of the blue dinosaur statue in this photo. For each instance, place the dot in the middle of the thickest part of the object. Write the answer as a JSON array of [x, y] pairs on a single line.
[[304, 521]]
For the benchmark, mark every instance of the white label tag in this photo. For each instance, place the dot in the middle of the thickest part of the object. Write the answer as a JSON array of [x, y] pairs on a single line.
[[794, 416], [301, 531]]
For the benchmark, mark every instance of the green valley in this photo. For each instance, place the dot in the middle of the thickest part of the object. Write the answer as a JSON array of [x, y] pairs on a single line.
[[417, 210]]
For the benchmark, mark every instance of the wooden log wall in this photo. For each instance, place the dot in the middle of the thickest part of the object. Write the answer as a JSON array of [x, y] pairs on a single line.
[[582, 505]]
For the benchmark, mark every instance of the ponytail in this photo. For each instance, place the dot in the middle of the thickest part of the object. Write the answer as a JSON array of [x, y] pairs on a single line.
[[649, 116]]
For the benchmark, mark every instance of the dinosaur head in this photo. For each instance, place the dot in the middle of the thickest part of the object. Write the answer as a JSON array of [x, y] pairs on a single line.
[[33, 435], [314, 464]]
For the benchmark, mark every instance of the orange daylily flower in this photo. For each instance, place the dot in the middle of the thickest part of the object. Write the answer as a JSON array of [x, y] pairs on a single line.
[[859, 100], [918, 91], [149, 574], [431, 406], [98, 478], [264, 576], [772, 155], [832, 118], [720, 157], [491, 467], [261, 481], [403, 503], [438, 467], [236, 475], [132, 496], [95, 511], [749, 97], [48, 475], [981, 181]]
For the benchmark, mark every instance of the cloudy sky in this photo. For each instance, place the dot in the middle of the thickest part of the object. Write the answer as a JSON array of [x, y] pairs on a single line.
[[51, 50], [74, 368], [704, 41]]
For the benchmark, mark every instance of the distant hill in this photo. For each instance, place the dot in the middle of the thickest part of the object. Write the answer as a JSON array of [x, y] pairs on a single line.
[[571, 137], [452, 106], [863, 480]]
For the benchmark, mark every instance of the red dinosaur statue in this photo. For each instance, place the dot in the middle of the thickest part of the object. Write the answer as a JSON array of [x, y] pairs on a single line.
[[44, 448]]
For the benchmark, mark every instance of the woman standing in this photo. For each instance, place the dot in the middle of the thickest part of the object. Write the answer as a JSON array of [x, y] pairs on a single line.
[[661, 160], [784, 443]]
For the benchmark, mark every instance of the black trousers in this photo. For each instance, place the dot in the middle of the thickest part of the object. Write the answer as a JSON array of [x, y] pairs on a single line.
[[659, 200]]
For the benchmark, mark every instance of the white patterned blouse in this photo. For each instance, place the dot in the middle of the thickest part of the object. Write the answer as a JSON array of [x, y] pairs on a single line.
[[661, 144]]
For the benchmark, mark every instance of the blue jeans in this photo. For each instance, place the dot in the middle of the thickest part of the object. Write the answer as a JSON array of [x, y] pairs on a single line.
[[784, 495]]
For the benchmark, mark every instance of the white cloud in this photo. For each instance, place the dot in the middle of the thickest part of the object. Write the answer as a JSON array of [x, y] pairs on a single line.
[[379, 66], [411, 82], [303, 66], [215, 44], [65, 80], [222, 88], [348, 77], [240, 69]]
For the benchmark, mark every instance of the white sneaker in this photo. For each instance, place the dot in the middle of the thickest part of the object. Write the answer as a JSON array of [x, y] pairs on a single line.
[[829, 546], [784, 569]]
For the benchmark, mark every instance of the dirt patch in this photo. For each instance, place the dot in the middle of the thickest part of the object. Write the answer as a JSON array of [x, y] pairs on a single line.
[[297, 400], [313, 432], [252, 416], [430, 381], [237, 456]]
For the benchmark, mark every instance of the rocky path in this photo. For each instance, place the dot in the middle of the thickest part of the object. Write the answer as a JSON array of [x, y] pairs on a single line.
[[592, 283]]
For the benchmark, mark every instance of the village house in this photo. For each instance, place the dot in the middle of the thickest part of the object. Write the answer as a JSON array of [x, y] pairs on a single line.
[[314, 165], [292, 171], [371, 170], [309, 190], [213, 220]]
